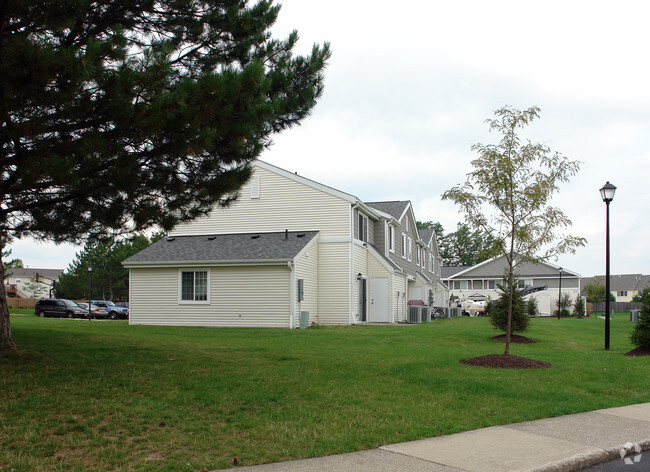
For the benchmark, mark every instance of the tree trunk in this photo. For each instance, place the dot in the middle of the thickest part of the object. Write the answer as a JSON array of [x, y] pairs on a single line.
[[510, 294], [6, 338]]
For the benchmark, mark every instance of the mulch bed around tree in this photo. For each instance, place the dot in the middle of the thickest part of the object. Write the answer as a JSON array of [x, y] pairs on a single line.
[[514, 338], [503, 361], [638, 352]]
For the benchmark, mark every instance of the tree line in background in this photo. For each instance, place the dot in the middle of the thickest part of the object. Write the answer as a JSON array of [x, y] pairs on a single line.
[[463, 247], [110, 280]]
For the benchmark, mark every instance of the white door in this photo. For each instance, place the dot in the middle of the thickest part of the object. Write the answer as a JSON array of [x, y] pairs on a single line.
[[379, 299]]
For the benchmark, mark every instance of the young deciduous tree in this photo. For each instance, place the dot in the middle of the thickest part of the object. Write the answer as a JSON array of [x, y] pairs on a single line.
[[116, 116], [507, 196]]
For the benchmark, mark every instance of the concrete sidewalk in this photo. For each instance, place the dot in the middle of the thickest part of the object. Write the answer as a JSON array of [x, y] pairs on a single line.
[[562, 444]]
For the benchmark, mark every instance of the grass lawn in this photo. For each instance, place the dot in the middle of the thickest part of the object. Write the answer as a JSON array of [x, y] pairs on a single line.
[[107, 396], [21, 311]]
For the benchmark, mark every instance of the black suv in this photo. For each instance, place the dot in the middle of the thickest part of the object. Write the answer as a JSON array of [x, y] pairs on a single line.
[[59, 307]]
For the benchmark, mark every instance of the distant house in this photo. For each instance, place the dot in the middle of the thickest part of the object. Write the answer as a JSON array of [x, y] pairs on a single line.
[[289, 247], [479, 282], [23, 283], [624, 287]]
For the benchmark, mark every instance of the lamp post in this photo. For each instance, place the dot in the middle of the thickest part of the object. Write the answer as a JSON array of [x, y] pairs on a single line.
[[559, 297], [607, 194], [90, 291]]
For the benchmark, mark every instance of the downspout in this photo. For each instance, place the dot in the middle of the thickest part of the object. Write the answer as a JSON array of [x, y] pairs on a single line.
[[130, 294], [351, 275], [292, 294]]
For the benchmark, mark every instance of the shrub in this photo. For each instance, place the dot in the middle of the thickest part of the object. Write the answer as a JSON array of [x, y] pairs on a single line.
[[579, 307], [531, 306], [641, 334], [499, 314]]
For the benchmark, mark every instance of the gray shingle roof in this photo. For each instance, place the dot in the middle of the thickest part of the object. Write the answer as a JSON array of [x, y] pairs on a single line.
[[225, 247], [394, 209], [620, 282], [20, 272], [448, 271], [425, 234]]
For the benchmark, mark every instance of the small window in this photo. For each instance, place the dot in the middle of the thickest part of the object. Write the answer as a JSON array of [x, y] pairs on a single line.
[[621, 293], [255, 186], [492, 285], [194, 286], [301, 290], [391, 238], [403, 245]]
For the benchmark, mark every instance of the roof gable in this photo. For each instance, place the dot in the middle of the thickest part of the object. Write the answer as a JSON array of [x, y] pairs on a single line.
[[396, 209], [497, 266], [305, 181]]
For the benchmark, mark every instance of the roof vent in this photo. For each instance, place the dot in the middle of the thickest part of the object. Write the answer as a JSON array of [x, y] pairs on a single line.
[[286, 234], [171, 238], [255, 236], [301, 235], [211, 238]]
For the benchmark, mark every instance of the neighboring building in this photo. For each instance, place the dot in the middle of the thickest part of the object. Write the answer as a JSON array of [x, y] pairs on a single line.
[[624, 287], [479, 282], [22, 283], [287, 245]]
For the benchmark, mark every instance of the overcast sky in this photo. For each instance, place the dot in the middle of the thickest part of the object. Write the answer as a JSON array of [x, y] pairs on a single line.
[[408, 90]]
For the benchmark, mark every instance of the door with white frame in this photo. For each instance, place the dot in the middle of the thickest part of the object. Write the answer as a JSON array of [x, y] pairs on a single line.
[[379, 300]]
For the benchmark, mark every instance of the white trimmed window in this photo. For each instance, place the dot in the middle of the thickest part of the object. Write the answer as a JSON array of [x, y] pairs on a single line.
[[403, 245], [410, 249], [391, 238], [363, 228], [193, 286]]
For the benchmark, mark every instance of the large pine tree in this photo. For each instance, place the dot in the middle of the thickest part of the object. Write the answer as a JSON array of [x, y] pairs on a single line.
[[121, 115]]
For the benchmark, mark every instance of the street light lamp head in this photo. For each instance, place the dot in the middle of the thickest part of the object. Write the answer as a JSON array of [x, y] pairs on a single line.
[[90, 268], [607, 192]]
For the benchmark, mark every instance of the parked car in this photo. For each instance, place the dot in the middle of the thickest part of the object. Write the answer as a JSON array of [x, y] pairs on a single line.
[[96, 311], [58, 307], [114, 311]]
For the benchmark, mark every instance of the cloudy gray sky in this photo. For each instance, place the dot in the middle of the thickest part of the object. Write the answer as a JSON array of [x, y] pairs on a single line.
[[409, 87]]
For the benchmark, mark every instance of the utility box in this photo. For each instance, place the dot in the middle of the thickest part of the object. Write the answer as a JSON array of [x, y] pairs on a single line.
[[634, 316], [304, 319]]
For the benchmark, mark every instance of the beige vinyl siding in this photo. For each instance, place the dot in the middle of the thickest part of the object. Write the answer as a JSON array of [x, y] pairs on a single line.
[[334, 283], [307, 269], [282, 204], [399, 285], [239, 296]]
